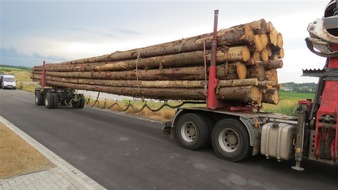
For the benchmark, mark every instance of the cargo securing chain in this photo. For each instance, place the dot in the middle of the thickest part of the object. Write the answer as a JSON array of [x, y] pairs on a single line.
[[133, 107]]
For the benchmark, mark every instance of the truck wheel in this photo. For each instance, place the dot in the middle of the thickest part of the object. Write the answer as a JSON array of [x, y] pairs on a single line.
[[49, 101], [230, 140], [82, 101], [39, 98], [192, 131], [79, 104], [56, 100]]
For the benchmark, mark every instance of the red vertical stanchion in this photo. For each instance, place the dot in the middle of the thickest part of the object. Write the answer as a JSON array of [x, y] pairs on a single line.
[[43, 81], [213, 82]]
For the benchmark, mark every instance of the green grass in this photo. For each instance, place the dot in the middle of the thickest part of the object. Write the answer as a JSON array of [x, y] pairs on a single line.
[[22, 76], [288, 102]]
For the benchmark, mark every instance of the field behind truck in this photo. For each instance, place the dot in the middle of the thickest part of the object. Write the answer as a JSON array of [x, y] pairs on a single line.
[[22, 76], [287, 105]]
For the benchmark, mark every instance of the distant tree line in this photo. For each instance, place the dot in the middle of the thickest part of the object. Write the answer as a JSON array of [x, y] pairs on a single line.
[[299, 87], [17, 67]]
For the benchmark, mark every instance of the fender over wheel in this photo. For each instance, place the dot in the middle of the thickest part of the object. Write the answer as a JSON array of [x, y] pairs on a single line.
[[230, 140], [192, 131]]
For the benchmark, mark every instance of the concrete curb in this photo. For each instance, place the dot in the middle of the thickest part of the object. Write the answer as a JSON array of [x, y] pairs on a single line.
[[77, 175]]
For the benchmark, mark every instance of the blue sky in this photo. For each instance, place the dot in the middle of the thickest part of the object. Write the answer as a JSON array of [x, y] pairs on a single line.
[[33, 31]]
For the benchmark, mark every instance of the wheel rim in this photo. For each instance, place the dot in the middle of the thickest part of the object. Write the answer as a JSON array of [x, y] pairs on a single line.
[[188, 131], [229, 140]]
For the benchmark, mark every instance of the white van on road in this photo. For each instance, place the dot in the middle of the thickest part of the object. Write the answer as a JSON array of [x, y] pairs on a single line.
[[7, 81]]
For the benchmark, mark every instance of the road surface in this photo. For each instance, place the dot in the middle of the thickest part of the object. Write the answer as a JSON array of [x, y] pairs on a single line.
[[124, 152]]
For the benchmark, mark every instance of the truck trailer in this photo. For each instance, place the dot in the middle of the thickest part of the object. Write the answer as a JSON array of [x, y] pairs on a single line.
[[235, 130]]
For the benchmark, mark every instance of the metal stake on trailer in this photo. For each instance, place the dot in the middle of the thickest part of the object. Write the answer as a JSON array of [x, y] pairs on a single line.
[[212, 101], [43, 78]]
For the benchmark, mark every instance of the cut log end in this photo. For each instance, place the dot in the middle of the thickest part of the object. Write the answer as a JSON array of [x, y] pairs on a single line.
[[258, 45], [241, 70], [271, 96], [256, 94]]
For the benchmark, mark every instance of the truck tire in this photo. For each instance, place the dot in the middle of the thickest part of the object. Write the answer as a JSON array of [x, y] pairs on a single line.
[[49, 100], [56, 100], [230, 140], [39, 98], [192, 131], [80, 103]]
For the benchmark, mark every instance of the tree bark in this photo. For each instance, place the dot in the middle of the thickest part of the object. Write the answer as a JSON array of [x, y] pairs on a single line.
[[225, 71], [277, 54], [196, 58], [243, 94], [232, 71], [151, 84], [256, 72], [272, 64], [259, 26], [233, 54], [271, 96], [271, 75], [249, 94]]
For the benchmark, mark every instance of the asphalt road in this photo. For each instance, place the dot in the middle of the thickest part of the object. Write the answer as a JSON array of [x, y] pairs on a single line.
[[124, 152]]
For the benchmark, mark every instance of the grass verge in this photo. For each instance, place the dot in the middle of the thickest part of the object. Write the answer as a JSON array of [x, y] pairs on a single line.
[[288, 103], [17, 157]]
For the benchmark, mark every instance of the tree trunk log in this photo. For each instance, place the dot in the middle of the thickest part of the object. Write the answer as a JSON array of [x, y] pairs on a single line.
[[196, 58], [272, 64], [256, 72], [237, 53], [271, 75], [271, 96], [249, 94], [264, 40], [226, 71], [232, 71], [277, 54], [273, 36], [151, 84], [265, 54], [259, 26], [242, 94]]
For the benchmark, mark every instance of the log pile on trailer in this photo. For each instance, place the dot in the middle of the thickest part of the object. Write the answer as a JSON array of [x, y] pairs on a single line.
[[247, 58]]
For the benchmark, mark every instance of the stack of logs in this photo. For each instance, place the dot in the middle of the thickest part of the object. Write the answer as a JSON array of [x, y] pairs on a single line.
[[247, 58]]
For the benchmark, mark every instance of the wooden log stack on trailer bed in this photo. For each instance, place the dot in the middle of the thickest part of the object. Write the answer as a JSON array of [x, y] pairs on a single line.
[[248, 56]]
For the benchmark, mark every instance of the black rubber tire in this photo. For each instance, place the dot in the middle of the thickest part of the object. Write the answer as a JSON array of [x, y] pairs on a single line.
[[39, 98], [230, 140], [80, 103], [210, 123], [49, 100], [192, 131], [56, 100]]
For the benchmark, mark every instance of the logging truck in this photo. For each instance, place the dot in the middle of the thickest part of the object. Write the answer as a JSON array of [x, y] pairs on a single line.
[[231, 121]]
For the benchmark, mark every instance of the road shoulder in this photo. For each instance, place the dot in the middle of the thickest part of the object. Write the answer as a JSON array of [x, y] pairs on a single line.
[[63, 176]]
